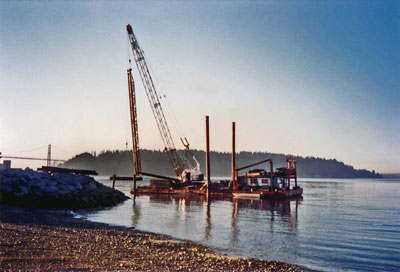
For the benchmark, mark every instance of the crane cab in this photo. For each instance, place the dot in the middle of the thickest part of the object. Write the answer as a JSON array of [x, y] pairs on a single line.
[[192, 175]]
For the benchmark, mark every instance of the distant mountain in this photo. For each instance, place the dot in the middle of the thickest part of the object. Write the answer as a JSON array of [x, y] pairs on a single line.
[[121, 163]]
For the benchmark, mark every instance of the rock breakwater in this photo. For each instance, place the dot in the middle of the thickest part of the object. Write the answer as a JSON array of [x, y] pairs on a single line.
[[67, 191]]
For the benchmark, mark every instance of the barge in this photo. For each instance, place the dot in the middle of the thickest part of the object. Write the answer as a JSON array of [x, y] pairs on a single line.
[[259, 183], [254, 184]]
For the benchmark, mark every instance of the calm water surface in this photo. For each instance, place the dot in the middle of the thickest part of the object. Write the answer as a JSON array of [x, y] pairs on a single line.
[[339, 224]]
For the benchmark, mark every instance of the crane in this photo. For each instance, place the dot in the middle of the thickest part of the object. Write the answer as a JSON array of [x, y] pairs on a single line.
[[178, 162]]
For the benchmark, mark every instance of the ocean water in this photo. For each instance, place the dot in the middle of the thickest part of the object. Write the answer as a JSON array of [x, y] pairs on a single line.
[[338, 225]]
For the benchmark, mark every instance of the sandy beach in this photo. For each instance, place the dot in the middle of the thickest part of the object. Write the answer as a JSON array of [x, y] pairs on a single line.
[[43, 240]]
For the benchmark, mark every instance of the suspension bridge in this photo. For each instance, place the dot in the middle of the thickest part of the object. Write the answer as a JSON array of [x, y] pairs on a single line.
[[50, 161]]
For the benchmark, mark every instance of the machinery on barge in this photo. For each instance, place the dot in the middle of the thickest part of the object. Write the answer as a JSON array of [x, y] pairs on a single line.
[[259, 183], [256, 183]]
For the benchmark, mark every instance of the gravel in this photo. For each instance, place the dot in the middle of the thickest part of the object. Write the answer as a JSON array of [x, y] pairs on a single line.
[[49, 240]]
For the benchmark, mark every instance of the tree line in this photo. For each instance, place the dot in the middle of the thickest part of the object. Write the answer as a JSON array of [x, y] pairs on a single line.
[[120, 162]]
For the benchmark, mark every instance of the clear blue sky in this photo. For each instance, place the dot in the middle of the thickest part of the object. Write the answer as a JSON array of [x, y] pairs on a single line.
[[311, 78]]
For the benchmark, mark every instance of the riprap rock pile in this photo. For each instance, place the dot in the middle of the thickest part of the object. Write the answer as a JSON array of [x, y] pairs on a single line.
[[69, 191]]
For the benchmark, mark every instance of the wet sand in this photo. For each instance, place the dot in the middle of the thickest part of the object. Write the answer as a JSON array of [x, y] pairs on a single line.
[[43, 240]]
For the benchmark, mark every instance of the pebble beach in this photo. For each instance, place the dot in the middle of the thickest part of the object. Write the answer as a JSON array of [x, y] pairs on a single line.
[[51, 240]]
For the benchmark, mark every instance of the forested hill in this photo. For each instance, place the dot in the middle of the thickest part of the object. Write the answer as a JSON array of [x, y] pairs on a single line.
[[120, 163]]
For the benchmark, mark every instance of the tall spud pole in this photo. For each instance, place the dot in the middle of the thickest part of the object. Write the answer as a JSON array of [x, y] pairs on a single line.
[[233, 152], [208, 154]]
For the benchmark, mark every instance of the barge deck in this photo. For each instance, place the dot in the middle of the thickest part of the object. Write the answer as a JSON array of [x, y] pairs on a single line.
[[255, 184]]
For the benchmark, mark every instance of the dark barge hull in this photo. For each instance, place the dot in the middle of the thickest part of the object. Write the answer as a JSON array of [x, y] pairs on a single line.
[[264, 194], [179, 191], [259, 194]]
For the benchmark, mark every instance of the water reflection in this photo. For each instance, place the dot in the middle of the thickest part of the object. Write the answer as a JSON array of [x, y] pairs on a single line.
[[281, 208], [208, 226], [184, 207], [340, 225], [136, 213]]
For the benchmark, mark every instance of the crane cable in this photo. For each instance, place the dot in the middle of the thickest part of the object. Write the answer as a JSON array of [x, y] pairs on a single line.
[[175, 122], [163, 99], [167, 106]]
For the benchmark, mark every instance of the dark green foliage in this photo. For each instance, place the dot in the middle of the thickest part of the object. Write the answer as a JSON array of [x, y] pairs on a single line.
[[121, 163]]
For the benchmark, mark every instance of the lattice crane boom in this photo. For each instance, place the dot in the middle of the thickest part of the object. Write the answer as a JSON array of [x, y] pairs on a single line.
[[155, 104]]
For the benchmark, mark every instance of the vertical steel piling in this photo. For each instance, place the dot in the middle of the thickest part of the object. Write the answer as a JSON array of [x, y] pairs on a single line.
[[289, 173], [233, 153], [208, 153], [113, 181], [295, 174]]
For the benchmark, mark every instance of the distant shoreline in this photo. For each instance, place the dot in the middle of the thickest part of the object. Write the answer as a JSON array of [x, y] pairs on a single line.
[[154, 161], [391, 176]]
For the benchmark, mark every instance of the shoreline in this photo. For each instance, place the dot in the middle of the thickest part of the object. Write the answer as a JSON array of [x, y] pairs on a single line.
[[35, 239]]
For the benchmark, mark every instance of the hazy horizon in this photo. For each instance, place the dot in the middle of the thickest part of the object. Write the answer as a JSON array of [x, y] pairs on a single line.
[[306, 78]]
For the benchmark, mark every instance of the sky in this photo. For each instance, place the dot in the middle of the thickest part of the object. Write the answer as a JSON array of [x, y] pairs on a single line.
[[309, 78]]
